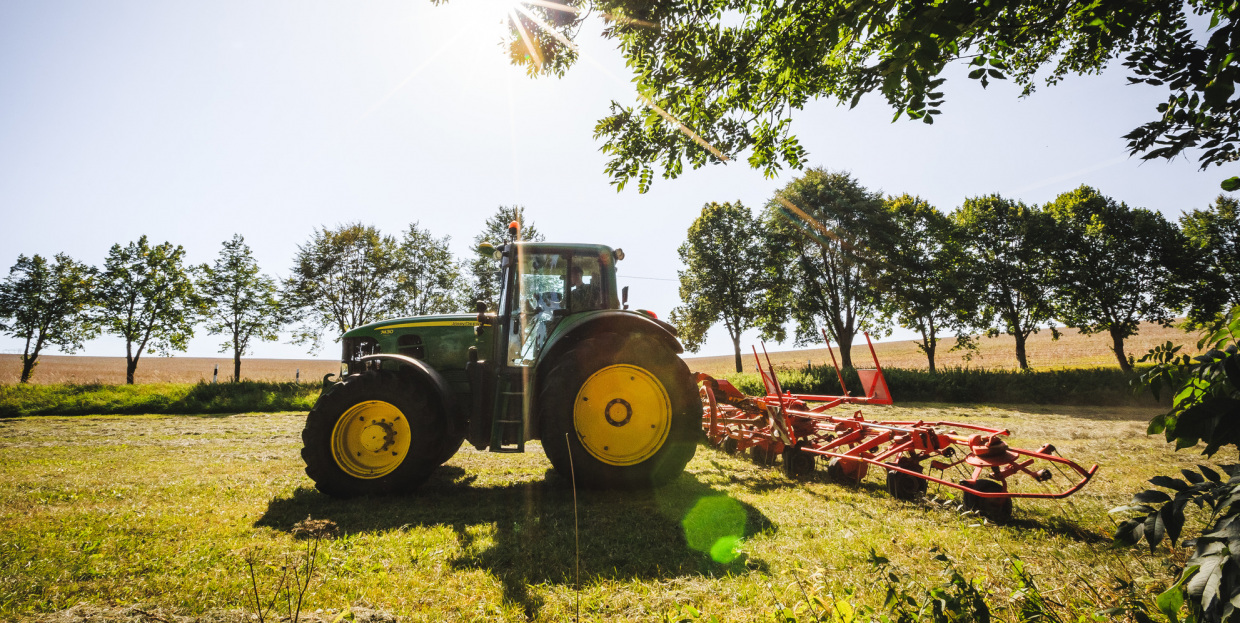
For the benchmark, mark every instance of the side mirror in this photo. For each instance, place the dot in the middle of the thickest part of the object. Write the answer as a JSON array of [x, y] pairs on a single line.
[[624, 297]]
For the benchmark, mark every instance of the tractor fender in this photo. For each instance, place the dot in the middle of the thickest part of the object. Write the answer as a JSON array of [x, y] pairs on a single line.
[[576, 328], [425, 372]]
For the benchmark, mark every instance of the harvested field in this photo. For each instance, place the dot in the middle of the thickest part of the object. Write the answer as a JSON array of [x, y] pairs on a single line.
[[111, 370], [1072, 350]]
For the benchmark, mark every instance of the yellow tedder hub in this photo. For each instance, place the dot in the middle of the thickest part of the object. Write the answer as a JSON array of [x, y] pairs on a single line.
[[371, 439], [622, 415]]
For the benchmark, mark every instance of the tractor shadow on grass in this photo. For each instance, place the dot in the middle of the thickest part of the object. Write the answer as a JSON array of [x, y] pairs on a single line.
[[522, 533]]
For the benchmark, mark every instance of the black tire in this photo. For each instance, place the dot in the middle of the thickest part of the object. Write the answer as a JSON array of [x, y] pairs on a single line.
[[730, 445], [618, 372], [998, 510], [798, 464], [448, 448], [761, 455], [904, 486], [848, 472], [374, 397]]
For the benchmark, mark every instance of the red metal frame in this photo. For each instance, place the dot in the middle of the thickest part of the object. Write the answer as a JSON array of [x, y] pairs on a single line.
[[781, 420]]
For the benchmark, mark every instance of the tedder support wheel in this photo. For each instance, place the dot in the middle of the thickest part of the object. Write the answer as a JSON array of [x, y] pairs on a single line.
[[629, 408], [902, 486], [798, 464], [377, 433], [995, 509]]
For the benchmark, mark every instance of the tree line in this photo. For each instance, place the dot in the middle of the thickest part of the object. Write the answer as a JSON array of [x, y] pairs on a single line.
[[146, 294], [827, 252]]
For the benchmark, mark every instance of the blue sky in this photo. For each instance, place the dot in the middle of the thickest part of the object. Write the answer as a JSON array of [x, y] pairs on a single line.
[[192, 121]]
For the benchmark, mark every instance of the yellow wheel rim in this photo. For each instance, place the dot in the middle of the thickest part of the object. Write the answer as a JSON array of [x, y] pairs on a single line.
[[622, 415], [371, 439]]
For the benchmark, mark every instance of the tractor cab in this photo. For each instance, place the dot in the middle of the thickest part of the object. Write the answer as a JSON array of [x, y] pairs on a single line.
[[552, 282]]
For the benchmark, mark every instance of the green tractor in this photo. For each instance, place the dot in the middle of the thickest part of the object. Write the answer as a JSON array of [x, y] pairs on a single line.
[[563, 360]]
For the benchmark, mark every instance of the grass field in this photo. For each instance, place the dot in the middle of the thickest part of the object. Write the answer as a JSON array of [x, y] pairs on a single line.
[[1071, 351], [150, 518]]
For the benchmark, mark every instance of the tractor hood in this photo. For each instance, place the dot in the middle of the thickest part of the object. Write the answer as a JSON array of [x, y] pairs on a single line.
[[446, 320]]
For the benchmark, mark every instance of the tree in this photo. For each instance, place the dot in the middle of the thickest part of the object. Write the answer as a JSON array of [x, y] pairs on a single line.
[[146, 297], [818, 227], [921, 271], [342, 278], [483, 271], [239, 301], [428, 278], [725, 277], [723, 78], [1113, 266], [1007, 247], [47, 304], [1214, 237]]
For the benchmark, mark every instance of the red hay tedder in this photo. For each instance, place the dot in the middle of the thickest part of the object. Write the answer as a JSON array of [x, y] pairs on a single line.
[[785, 425]]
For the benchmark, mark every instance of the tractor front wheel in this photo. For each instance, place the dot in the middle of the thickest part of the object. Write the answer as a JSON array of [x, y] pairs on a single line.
[[625, 407], [374, 434]]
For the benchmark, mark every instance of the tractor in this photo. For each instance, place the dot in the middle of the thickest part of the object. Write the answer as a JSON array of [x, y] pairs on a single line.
[[561, 359]]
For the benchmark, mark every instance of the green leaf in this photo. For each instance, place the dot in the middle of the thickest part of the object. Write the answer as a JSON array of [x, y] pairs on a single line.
[[1151, 496], [1231, 367], [1211, 474], [1171, 600], [1169, 483], [1230, 184]]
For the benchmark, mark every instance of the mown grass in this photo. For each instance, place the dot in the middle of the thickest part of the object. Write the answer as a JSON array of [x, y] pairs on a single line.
[[155, 511], [179, 398]]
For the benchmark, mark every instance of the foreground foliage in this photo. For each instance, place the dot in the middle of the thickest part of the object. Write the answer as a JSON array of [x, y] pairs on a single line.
[[1205, 409], [735, 71]]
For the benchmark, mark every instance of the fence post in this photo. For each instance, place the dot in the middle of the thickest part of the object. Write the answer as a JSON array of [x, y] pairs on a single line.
[[215, 376]]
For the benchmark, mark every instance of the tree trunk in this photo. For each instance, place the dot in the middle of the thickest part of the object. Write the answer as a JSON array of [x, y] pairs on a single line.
[[929, 344], [131, 364], [1117, 345], [236, 366], [1021, 360], [28, 361], [736, 349], [27, 367], [845, 343]]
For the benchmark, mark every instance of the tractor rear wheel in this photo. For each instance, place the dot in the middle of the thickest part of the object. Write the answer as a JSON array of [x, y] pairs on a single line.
[[374, 434], [629, 408]]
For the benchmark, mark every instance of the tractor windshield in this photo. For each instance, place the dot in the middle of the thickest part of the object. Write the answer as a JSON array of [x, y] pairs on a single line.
[[549, 287]]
